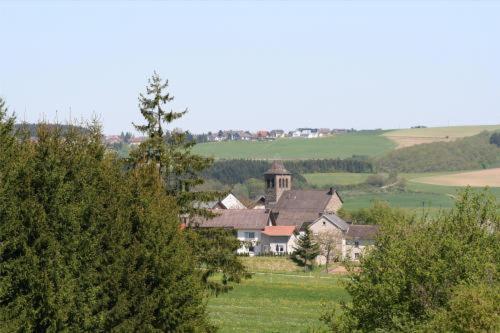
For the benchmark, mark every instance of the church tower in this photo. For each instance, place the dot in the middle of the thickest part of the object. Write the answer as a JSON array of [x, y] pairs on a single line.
[[277, 180]]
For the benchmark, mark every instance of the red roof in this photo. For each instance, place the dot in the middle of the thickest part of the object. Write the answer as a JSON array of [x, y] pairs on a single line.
[[282, 230]]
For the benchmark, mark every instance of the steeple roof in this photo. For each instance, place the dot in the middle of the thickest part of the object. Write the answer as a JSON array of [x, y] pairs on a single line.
[[277, 168]]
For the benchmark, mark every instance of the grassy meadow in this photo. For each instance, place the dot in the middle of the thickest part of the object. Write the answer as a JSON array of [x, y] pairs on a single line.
[[430, 197], [341, 146], [278, 298]]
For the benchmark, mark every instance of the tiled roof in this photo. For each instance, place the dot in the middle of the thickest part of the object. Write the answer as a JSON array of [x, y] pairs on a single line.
[[287, 230], [360, 231], [237, 219], [304, 200], [294, 217]]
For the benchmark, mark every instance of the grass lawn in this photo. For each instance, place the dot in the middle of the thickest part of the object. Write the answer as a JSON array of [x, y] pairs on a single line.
[[271, 302], [270, 265], [342, 146]]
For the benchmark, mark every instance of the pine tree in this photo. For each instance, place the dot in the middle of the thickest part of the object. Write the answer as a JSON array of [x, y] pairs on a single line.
[[168, 152], [86, 246], [306, 250]]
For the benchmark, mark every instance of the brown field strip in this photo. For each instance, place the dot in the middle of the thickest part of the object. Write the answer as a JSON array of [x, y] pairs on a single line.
[[408, 141], [480, 178]]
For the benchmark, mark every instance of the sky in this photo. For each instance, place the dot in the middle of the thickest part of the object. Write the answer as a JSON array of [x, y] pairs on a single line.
[[255, 65]]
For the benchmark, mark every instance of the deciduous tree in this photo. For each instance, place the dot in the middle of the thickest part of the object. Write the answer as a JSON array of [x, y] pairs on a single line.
[[429, 275], [330, 243]]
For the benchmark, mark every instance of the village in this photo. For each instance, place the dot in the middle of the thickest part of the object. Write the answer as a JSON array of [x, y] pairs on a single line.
[[273, 223], [236, 135]]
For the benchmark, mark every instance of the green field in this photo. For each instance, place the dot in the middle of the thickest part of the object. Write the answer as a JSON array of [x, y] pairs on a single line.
[[407, 200], [341, 146], [273, 302], [418, 195], [441, 132]]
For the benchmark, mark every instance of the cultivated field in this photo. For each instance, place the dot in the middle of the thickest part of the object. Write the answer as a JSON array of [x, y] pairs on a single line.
[[341, 146], [409, 137], [424, 191], [276, 302], [489, 177]]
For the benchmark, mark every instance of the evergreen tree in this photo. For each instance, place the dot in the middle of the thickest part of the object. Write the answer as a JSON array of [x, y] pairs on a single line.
[[306, 250], [85, 246], [214, 249], [168, 152]]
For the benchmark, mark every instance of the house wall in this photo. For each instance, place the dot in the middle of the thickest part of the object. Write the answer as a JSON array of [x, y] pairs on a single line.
[[323, 225], [353, 251], [269, 243], [256, 240], [334, 204]]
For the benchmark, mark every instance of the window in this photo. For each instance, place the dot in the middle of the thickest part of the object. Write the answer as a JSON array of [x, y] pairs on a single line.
[[356, 243], [249, 234], [286, 183], [280, 248], [356, 256]]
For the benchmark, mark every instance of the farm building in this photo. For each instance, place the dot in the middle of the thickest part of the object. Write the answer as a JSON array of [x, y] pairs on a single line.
[[273, 224]]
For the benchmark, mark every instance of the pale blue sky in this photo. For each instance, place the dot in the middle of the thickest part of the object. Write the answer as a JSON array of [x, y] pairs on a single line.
[[256, 65]]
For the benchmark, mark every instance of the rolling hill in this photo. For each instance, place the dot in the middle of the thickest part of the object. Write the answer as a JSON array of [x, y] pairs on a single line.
[[414, 136], [337, 146]]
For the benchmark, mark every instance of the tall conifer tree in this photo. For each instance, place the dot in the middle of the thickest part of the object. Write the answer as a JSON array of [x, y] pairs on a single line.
[[306, 250], [169, 153]]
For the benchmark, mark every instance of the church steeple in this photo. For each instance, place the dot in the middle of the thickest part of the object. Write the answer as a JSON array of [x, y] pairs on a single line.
[[277, 180]]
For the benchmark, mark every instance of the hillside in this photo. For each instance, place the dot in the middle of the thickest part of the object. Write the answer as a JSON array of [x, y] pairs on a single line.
[[469, 153], [337, 146], [414, 136]]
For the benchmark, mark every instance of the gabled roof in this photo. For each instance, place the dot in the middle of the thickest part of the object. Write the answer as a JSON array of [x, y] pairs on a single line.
[[337, 221], [232, 202], [304, 200], [237, 219], [279, 230], [362, 231]]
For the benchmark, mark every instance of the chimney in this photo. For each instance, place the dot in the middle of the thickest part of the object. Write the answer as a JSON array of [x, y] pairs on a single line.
[[332, 191]]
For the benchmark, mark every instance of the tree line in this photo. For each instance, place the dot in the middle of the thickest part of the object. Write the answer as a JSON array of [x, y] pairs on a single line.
[[239, 170]]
